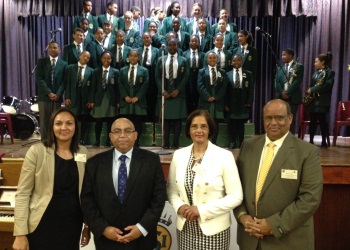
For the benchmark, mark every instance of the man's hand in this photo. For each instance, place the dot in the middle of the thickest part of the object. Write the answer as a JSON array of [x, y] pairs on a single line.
[[127, 99], [175, 93], [133, 235], [249, 225], [166, 95], [134, 99], [112, 233], [68, 102]]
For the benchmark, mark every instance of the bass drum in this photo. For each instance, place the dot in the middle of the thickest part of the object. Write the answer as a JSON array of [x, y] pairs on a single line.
[[24, 125]]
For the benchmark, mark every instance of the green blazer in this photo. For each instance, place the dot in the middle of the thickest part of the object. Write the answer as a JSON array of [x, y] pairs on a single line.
[[95, 50], [323, 92], [138, 90], [154, 59], [158, 40], [70, 53], [187, 55], [207, 43], [93, 24], [294, 89], [236, 99], [231, 41], [185, 40], [101, 19], [71, 86], [250, 59], [228, 57], [288, 204], [97, 91], [206, 90], [168, 25], [125, 53], [133, 39], [189, 27], [43, 79]]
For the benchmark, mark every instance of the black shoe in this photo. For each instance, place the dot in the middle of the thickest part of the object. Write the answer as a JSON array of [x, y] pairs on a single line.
[[108, 143], [166, 146], [232, 145], [96, 144], [324, 145]]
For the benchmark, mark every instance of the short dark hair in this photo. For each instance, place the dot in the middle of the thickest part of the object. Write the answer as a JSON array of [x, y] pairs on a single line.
[[111, 3], [289, 51], [51, 138], [78, 30], [208, 118], [135, 8], [326, 58]]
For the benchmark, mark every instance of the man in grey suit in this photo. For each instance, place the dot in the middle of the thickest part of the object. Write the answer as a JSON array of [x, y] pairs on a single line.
[[281, 217], [123, 215]]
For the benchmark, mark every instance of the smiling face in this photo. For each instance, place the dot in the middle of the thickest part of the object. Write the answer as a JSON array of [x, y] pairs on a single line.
[[212, 59], [78, 37], [172, 46], [219, 41], [222, 25], [133, 57], [237, 61], [199, 130], [197, 11], [176, 24], [176, 9], [64, 127], [84, 57], [194, 42], [106, 59]]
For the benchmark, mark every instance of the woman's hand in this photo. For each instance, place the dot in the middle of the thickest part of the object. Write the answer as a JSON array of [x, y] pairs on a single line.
[[191, 213], [21, 243]]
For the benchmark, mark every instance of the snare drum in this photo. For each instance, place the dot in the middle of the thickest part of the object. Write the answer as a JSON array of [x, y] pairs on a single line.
[[10, 104], [35, 106], [24, 125]]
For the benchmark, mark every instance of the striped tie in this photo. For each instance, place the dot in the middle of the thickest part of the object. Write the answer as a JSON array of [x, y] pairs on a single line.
[[265, 167], [131, 78], [171, 70]]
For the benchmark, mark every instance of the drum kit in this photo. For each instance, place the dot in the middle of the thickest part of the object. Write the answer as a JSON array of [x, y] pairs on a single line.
[[24, 114]]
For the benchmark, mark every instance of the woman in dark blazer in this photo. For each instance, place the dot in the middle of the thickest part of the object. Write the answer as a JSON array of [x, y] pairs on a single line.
[[104, 96], [320, 91]]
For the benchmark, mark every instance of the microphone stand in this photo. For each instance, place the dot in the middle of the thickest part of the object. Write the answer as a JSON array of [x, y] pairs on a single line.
[[162, 151]]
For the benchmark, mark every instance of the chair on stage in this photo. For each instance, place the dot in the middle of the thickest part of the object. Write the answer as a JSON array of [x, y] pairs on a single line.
[[304, 121], [5, 119], [343, 118]]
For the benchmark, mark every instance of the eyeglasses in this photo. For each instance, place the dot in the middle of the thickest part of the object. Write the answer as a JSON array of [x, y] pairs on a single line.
[[126, 132], [202, 127], [278, 118]]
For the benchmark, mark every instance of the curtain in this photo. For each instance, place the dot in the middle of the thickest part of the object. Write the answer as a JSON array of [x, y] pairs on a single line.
[[25, 35]]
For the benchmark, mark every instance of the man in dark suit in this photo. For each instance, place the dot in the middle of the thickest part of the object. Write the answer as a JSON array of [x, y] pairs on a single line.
[[71, 51], [86, 13], [282, 184], [123, 215], [50, 76], [288, 82]]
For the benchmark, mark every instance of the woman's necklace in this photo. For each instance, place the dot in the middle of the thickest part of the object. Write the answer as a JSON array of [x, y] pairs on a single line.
[[198, 158]]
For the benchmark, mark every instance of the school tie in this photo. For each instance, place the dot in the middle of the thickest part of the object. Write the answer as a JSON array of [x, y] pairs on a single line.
[[219, 58], [110, 18], [171, 68], [131, 78], [242, 50], [202, 38], [194, 61], [213, 77], [237, 80], [79, 49], [145, 58], [264, 169], [120, 56], [80, 77], [122, 178], [53, 67], [104, 79]]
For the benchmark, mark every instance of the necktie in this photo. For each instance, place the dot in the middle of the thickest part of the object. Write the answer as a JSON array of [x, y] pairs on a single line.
[[120, 56], [79, 49], [131, 78], [53, 67], [264, 169], [219, 58], [242, 50], [202, 38], [145, 58], [237, 80], [104, 79], [194, 61], [80, 77], [85, 15], [171, 73], [103, 42], [122, 178], [110, 18], [213, 77]]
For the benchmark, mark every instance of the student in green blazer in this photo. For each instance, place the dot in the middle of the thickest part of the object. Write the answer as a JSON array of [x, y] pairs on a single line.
[[104, 96], [288, 80], [77, 91], [118, 62], [96, 48], [111, 15], [133, 84], [205, 39], [225, 55], [231, 27], [278, 213], [192, 27], [50, 78], [195, 59], [149, 61], [320, 90], [108, 38], [71, 52], [212, 85], [239, 100], [132, 36], [176, 78], [172, 12], [230, 38], [88, 37], [86, 13], [182, 36], [157, 39], [247, 51]]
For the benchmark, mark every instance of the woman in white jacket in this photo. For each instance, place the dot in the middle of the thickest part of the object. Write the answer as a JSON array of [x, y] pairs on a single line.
[[203, 187]]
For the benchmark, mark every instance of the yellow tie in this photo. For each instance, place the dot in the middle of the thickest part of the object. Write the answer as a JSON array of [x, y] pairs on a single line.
[[265, 167]]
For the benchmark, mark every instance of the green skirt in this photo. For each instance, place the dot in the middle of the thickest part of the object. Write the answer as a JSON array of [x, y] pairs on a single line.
[[105, 109]]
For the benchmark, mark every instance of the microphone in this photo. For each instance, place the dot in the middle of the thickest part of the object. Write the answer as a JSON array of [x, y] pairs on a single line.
[[257, 28], [55, 31]]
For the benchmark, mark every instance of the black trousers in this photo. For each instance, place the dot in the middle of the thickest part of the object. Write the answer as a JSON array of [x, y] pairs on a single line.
[[176, 123], [236, 130], [322, 119], [98, 127]]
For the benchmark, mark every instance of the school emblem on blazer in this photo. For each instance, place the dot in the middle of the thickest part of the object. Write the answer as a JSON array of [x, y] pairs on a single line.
[[132, 40], [116, 29], [91, 25], [88, 83], [182, 69], [250, 58], [141, 79], [112, 81]]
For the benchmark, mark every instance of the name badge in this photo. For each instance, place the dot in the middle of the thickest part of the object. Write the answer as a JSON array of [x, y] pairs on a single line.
[[289, 174], [80, 157]]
